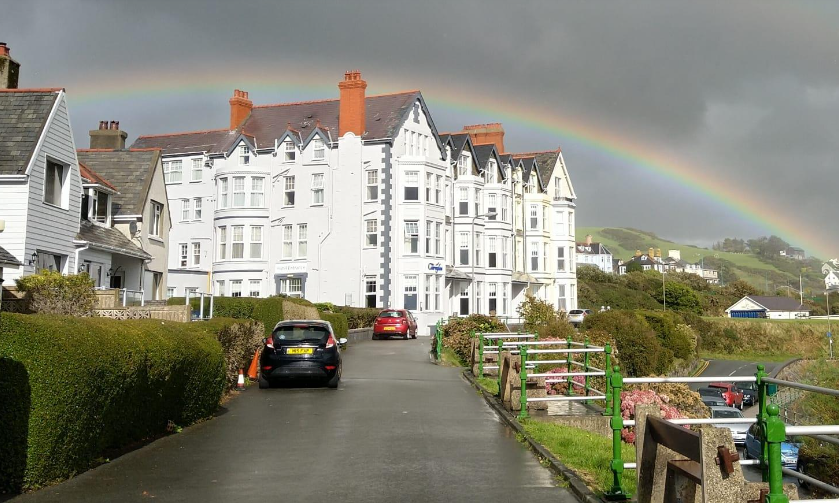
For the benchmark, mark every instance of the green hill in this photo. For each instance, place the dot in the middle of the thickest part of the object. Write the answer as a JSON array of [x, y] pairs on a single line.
[[623, 242]]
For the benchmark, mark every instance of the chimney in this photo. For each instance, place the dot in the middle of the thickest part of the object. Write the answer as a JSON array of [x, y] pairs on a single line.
[[487, 133], [658, 252], [637, 253], [651, 253], [9, 68], [352, 115], [588, 239], [240, 108], [108, 136]]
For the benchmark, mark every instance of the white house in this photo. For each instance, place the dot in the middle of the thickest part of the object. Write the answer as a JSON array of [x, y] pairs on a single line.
[[359, 201], [831, 281], [596, 254], [775, 308]]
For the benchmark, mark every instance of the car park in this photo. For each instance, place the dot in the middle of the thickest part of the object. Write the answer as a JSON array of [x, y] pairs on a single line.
[[577, 316], [301, 349], [733, 395], [738, 430], [390, 322], [789, 450]]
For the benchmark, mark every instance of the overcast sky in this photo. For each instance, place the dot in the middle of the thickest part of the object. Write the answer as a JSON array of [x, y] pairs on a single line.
[[744, 92]]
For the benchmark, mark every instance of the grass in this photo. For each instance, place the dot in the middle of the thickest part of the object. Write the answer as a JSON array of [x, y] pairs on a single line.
[[489, 383], [450, 358], [588, 454]]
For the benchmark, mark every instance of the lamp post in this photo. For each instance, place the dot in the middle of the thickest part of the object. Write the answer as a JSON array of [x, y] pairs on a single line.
[[475, 254]]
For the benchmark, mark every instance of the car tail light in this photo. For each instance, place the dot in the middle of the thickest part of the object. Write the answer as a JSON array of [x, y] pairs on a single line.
[[269, 342], [330, 342], [330, 367], [267, 367]]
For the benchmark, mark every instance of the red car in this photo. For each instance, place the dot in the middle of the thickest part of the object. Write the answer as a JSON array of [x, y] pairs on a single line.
[[394, 322], [733, 396]]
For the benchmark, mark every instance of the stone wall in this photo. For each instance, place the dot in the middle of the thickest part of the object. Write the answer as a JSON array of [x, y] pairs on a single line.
[[167, 313]]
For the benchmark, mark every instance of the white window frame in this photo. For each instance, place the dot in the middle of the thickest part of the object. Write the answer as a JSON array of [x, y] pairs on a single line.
[[244, 155], [429, 186], [533, 221], [288, 191], [288, 242], [254, 288], [371, 281], [317, 189], [411, 237], [534, 256], [196, 253], [236, 288], [463, 164], [220, 288], [239, 194], [257, 238], [183, 254], [237, 242], [560, 259], [371, 232], [223, 192], [186, 210], [411, 182], [302, 240], [318, 150], [197, 170], [429, 230], [197, 206], [492, 205], [372, 183], [173, 171], [438, 231], [289, 151], [438, 189], [156, 219], [479, 246], [410, 287], [257, 195], [222, 242], [464, 246], [492, 249], [463, 201]]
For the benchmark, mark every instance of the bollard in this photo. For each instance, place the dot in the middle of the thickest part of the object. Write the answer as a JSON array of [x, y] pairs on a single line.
[[607, 351], [440, 341], [569, 379], [586, 362], [523, 398], [480, 355], [616, 493], [500, 348], [761, 421], [775, 434]]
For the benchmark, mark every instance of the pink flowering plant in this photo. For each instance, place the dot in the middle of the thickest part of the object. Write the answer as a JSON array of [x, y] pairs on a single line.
[[629, 399]]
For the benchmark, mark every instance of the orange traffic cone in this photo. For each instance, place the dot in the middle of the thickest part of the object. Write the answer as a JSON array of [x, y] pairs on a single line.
[[240, 384], [254, 368]]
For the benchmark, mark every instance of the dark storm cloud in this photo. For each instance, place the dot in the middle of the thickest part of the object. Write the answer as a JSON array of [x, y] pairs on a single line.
[[748, 91]]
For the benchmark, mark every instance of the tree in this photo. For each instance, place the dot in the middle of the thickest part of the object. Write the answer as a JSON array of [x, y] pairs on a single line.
[[680, 297], [634, 266]]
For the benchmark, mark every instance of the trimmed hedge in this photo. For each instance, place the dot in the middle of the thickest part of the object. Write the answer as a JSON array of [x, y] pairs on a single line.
[[74, 388], [339, 323], [269, 311]]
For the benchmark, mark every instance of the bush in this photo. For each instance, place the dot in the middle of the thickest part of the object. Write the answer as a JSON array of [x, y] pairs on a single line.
[[98, 384], [239, 341], [641, 352], [679, 297], [359, 317], [457, 333], [536, 313], [50, 292], [673, 333], [339, 323]]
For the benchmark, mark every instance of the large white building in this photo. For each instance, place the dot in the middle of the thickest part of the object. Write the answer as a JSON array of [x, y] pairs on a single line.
[[360, 201]]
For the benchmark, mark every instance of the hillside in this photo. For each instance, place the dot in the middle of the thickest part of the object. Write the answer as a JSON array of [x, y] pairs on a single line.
[[623, 242]]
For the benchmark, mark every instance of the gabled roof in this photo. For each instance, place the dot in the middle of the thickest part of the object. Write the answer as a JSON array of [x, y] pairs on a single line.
[[109, 239], [592, 249], [211, 141], [777, 303], [7, 258], [528, 164], [23, 116], [130, 170], [91, 176], [546, 162], [483, 153], [459, 141]]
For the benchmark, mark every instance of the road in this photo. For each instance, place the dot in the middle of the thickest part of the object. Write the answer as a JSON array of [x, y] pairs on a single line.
[[397, 429]]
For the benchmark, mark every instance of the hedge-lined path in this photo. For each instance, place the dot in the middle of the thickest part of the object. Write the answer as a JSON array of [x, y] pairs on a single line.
[[397, 429]]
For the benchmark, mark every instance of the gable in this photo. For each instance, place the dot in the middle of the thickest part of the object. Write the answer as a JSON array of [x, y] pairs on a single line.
[[23, 118]]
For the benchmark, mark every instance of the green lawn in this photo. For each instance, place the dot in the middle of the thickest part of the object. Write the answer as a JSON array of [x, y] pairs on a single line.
[[450, 358], [489, 383], [588, 454]]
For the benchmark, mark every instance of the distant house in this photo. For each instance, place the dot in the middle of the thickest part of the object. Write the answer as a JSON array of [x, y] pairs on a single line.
[[589, 253], [775, 308], [831, 281], [647, 261], [794, 253]]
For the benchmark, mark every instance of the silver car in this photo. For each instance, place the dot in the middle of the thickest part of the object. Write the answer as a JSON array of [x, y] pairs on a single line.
[[738, 430], [577, 316]]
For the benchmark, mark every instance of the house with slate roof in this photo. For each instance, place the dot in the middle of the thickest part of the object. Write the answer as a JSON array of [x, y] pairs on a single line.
[[596, 254], [359, 201], [775, 308]]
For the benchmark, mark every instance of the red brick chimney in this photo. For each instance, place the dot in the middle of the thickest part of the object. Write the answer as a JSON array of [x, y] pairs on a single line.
[[240, 108], [9, 68], [352, 115], [487, 133]]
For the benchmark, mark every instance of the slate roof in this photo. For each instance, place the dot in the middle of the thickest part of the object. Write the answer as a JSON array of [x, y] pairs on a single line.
[[547, 163], [778, 303], [23, 115], [90, 176], [593, 249], [458, 142], [211, 141], [527, 165], [130, 170], [483, 153], [109, 239], [7, 258]]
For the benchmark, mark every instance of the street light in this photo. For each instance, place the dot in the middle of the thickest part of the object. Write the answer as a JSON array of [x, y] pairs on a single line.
[[489, 214]]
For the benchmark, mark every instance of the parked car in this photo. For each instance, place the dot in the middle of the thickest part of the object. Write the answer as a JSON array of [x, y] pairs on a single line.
[[749, 390], [711, 401], [738, 430], [392, 322], [732, 394], [577, 316], [710, 393], [789, 450], [301, 349]]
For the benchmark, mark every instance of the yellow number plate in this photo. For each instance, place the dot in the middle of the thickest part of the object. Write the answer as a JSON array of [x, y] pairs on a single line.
[[299, 351], [390, 328]]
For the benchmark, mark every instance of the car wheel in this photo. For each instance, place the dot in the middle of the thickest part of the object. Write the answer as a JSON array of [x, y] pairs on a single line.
[[333, 383], [263, 383], [375, 337]]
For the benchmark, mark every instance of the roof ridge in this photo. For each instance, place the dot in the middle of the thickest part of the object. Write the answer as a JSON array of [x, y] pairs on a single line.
[[327, 100], [33, 90], [146, 149], [182, 133], [530, 154]]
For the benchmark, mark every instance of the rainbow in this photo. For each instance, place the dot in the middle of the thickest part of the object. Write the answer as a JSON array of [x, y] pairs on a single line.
[[275, 86]]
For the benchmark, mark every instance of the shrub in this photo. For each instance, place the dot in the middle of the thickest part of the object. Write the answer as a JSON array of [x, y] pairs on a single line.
[[298, 311], [97, 384], [630, 399], [269, 311], [641, 352], [339, 323], [457, 333], [666, 326], [239, 341], [359, 317], [536, 313], [50, 292], [679, 297]]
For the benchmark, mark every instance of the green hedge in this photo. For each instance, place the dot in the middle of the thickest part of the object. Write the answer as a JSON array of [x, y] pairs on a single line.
[[74, 388], [339, 323], [269, 310]]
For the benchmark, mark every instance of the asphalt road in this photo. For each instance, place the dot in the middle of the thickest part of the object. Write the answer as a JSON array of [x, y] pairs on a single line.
[[397, 429]]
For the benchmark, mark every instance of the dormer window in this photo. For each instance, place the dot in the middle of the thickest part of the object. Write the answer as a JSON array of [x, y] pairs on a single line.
[[96, 206], [290, 151], [463, 164], [491, 174], [244, 155], [318, 150]]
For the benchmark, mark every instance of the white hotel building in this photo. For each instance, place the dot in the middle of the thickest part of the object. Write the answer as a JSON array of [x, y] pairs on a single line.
[[360, 201]]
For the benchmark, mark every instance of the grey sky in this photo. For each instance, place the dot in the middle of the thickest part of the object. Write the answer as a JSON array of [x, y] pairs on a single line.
[[747, 92]]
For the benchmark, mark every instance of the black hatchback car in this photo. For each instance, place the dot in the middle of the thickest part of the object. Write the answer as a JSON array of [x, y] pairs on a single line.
[[305, 349]]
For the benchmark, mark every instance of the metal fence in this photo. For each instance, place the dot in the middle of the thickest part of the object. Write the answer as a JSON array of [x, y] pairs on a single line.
[[201, 313]]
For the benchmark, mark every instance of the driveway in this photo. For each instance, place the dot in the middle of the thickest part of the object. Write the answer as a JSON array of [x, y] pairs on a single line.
[[397, 429]]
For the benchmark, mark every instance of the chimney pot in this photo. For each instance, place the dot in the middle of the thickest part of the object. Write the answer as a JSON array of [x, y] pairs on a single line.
[[10, 70], [240, 108], [108, 136], [588, 239], [4, 49]]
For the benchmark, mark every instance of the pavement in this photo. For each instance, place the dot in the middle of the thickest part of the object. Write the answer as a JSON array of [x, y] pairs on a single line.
[[397, 429]]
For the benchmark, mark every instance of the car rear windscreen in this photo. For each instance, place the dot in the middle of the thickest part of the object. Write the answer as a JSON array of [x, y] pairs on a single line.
[[726, 414], [575, 311], [390, 314], [710, 392], [301, 333]]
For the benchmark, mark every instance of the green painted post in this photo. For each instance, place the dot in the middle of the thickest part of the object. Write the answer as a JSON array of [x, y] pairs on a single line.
[[607, 350], [761, 421], [568, 379], [775, 434], [500, 347], [523, 398], [439, 340], [480, 355], [536, 335], [586, 360], [616, 493]]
